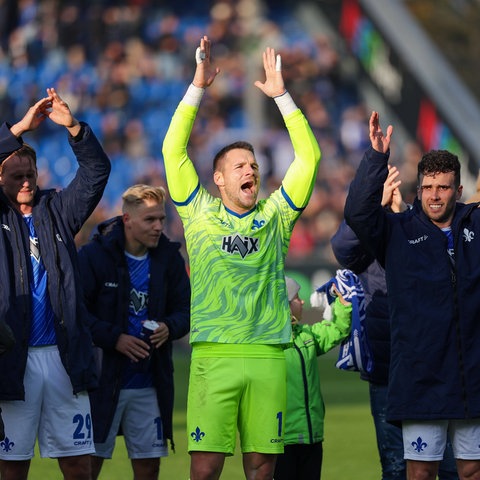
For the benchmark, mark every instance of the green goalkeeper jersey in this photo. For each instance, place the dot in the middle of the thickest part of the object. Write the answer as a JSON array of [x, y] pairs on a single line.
[[237, 261]]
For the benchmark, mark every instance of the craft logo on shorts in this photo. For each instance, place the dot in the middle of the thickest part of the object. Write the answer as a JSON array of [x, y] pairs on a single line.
[[276, 440], [81, 443], [242, 245]]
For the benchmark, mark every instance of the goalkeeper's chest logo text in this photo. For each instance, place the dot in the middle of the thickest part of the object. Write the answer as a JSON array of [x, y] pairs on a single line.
[[244, 246]]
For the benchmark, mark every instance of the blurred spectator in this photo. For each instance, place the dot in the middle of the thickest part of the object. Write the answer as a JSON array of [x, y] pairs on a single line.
[[123, 64]]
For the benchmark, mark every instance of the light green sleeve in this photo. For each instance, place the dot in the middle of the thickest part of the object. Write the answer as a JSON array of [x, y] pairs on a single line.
[[300, 177], [182, 178], [330, 333]]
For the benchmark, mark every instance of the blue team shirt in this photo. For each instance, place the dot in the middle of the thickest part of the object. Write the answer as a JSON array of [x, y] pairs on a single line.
[[42, 330], [139, 271]]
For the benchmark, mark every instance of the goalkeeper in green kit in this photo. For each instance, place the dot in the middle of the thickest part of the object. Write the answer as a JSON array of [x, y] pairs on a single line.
[[240, 319]]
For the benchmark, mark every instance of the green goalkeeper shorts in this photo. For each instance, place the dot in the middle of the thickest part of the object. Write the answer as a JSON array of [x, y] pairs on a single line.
[[236, 386]]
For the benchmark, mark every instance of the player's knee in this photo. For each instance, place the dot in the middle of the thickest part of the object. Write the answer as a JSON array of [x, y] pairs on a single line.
[[146, 468], [206, 465], [258, 466]]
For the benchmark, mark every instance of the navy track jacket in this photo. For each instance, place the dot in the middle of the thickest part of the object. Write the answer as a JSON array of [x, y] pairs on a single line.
[[106, 283], [434, 303], [58, 216]]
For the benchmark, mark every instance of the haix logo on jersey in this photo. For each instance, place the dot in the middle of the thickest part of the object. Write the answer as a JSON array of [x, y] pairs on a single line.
[[241, 245]]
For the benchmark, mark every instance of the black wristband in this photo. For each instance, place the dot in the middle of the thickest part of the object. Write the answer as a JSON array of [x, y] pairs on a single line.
[[80, 134]]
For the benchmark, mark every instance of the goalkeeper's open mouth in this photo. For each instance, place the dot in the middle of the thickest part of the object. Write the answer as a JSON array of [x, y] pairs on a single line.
[[248, 187]]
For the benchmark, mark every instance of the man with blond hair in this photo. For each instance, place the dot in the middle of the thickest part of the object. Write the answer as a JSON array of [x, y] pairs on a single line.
[[134, 277]]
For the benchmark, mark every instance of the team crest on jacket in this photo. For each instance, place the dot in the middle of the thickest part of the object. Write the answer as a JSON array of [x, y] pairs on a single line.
[[468, 235], [242, 245]]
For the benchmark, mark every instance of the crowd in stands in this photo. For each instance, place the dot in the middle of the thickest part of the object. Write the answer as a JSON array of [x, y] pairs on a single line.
[[122, 66]]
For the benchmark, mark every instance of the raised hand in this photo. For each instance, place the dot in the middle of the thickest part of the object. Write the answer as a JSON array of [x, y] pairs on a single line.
[[337, 293], [392, 197], [60, 112], [205, 73], [35, 115], [379, 141], [273, 85]]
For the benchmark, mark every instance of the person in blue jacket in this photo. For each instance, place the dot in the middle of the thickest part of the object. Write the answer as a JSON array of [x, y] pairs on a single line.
[[432, 265], [46, 374], [350, 254], [133, 276]]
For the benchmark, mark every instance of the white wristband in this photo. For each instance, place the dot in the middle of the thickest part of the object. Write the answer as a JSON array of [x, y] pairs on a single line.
[[285, 104], [193, 95]]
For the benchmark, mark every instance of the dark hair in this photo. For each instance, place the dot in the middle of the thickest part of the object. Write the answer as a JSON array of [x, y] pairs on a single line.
[[439, 161], [221, 153]]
